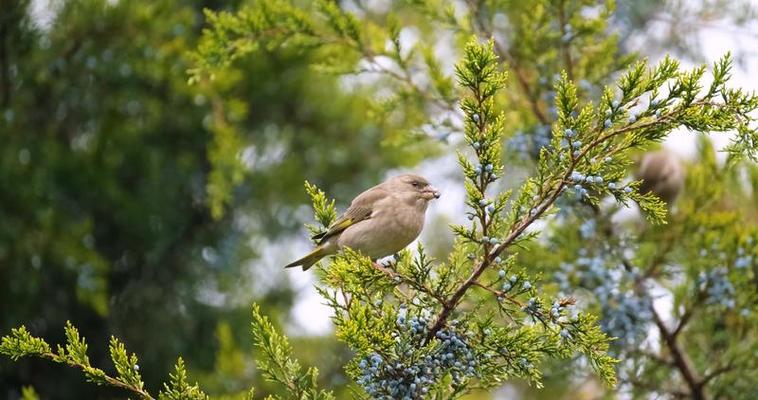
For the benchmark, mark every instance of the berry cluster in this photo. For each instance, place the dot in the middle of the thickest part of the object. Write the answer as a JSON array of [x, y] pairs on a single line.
[[416, 368], [513, 281], [579, 179], [625, 314], [558, 308], [716, 284], [485, 169], [743, 260], [532, 307], [568, 142], [491, 240], [612, 112], [489, 209]]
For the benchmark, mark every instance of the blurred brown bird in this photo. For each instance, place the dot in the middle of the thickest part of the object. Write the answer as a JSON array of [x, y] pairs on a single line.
[[379, 222], [662, 173]]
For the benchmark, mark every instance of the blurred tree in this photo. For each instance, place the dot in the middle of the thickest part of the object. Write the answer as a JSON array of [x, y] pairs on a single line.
[[107, 168]]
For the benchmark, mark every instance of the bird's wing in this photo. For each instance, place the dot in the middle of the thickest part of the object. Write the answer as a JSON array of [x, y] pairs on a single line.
[[360, 209]]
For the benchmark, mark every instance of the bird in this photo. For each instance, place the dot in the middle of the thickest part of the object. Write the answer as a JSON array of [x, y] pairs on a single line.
[[662, 173], [380, 222]]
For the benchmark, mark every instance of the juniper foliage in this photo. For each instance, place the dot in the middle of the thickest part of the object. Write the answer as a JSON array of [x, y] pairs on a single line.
[[481, 292], [274, 362], [702, 261], [543, 83]]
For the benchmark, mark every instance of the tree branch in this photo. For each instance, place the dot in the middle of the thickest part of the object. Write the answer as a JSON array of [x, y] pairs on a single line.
[[498, 293], [694, 383], [716, 372], [108, 379], [682, 322]]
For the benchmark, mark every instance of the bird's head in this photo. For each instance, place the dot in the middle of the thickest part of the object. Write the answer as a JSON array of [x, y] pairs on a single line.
[[413, 186]]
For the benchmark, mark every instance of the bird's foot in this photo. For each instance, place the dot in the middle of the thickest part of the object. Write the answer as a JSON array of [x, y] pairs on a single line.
[[390, 262], [387, 263]]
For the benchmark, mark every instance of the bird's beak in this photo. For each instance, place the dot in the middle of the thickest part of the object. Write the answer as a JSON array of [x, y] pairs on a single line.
[[432, 192]]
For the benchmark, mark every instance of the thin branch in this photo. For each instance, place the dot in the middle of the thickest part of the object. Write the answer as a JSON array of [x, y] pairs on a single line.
[[653, 356], [682, 362], [543, 203], [392, 274], [515, 232], [108, 379], [683, 321], [498, 293], [716, 372], [406, 79]]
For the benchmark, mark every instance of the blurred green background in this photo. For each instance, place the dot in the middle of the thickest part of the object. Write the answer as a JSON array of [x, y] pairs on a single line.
[[107, 160]]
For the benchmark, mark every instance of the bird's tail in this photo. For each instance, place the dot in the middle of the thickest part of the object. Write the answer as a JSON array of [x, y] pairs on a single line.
[[310, 259]]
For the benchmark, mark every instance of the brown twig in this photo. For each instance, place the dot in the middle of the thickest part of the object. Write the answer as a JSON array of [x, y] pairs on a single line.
[[391, 273], [498, 293], [716, 372], [449, 305], [680, 359], [683, 320], [543, 203], [406, 79]]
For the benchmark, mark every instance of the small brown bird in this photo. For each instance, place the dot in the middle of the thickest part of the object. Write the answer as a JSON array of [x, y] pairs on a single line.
[[379, 222], [662, 173]]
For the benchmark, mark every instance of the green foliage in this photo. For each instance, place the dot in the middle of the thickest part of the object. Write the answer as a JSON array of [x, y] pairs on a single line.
[[276, 364], [324, 211], [341, 43], [702, 260], [28, 393], [21, 343], [179, 388], [274, 361], [126, 366]]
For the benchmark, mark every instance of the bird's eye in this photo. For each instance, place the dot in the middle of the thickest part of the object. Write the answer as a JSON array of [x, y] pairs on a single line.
[[415, 184]]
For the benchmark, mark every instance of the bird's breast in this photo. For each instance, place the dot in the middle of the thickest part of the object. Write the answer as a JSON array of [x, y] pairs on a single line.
[[406, 223], [389, 230]]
